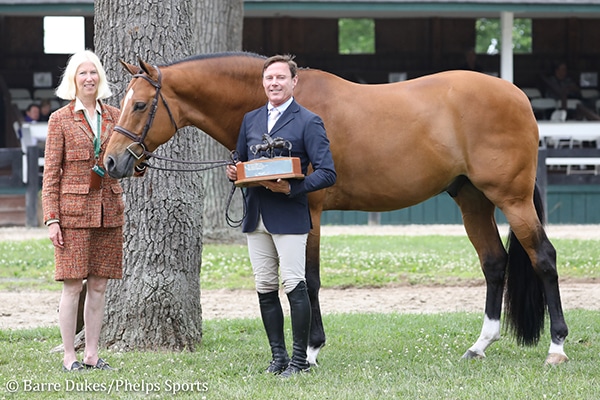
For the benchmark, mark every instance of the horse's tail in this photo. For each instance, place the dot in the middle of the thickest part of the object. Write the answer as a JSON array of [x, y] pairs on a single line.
[[525, 300]]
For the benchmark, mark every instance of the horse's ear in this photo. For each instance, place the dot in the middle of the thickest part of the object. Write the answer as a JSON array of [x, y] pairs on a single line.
[[132, 69], [147, 68]]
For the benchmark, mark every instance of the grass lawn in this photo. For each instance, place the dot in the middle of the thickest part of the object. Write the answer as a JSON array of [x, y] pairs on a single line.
[[346, 261], [367, 356]]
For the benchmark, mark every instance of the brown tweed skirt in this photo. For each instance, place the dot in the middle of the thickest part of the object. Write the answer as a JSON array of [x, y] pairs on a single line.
[[93, 251]]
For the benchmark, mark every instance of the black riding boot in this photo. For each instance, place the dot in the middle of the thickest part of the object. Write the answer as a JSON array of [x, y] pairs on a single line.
[[272, 317], [301, 314]]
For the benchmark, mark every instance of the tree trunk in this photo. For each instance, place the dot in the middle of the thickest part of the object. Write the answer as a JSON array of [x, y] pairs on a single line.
[[157, 303], [218, 28]]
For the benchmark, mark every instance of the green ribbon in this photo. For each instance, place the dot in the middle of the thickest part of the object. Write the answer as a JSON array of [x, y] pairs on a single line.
[[97, 139]]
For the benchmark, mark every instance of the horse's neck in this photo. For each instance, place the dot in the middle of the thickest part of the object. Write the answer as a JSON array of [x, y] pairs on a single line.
[[215, 98]]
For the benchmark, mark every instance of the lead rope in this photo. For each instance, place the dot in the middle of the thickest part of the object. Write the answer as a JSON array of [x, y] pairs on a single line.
[[231, 222], [216, 164], [235, 223]]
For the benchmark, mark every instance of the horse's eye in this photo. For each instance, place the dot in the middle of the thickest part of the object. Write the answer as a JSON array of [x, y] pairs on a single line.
[[139, 106]]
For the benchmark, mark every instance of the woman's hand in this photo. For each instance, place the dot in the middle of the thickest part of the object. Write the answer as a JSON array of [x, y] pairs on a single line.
[[56, 235]]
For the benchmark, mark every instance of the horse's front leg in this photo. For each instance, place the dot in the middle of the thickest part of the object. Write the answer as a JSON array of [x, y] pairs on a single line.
[[313, 281], [477, 213]]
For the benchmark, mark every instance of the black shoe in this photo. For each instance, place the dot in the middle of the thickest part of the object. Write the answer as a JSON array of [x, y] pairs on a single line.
[[276, 368], [100, 364], [294, 370], [76, 366]]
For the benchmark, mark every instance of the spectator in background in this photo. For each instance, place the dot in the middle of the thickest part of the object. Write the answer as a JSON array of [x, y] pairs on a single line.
[[561, 86], [32, 114], [471, 62], [45, 110]]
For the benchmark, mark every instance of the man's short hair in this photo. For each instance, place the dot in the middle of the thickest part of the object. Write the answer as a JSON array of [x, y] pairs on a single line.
[[288, 59]]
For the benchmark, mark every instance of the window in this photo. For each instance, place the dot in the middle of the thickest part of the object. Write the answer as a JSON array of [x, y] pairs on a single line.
[[356, 36], [488, 36], [64, 35]]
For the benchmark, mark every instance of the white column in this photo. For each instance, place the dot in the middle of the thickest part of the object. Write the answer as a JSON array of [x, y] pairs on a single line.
[[506, 52]]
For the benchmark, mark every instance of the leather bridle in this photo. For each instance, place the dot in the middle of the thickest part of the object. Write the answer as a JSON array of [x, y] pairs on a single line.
[[139, 139]]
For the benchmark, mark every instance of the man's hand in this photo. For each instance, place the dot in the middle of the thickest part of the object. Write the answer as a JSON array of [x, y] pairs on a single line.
[[231, 172], [279, 186]]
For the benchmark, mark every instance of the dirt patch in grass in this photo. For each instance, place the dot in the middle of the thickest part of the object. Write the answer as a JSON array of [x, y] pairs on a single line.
[[28, 309]]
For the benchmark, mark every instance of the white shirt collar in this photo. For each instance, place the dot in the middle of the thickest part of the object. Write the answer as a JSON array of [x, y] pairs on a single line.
[[282, 107], [80, 107]]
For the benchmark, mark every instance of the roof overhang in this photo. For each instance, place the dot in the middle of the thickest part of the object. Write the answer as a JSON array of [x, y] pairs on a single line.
[[349, 8], [48, 7], [416, 9]]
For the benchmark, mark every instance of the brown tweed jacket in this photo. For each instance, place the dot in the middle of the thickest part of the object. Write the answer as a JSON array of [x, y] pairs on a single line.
[[69, 158]]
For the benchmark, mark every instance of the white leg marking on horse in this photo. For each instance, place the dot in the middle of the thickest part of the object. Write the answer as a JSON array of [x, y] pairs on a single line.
[[490, 332], [556, 354], [311, 355]]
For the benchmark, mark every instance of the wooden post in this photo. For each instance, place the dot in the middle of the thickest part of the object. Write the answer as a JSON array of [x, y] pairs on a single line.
[[33, 186], [374, 218]]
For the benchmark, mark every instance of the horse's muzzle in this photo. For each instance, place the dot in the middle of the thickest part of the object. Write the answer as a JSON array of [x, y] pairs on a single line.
[[118, 168]]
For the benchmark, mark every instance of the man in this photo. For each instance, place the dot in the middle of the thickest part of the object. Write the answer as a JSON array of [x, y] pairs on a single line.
[[277, 220]]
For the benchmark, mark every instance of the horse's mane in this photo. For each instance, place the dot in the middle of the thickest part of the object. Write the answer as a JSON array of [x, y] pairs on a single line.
[[208, 56]]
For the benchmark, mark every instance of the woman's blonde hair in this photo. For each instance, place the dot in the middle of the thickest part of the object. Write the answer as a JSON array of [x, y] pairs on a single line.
[[67, 89]]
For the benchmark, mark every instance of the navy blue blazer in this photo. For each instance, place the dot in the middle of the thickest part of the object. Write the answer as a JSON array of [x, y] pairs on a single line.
[[281, 213]]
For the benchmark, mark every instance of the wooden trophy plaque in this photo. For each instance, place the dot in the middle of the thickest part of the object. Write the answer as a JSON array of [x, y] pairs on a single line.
[[267, 169]]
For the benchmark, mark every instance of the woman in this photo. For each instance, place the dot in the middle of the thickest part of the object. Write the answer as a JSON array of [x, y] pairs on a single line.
[[83, 207]]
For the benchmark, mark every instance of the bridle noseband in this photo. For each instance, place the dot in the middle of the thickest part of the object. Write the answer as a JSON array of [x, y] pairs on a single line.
[[139, 139]]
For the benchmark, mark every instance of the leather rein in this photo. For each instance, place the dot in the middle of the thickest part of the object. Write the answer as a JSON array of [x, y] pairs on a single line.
[[139, 139]]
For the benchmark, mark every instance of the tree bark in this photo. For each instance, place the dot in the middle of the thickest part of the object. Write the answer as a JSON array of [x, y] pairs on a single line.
[[157, 303], [218, 28]]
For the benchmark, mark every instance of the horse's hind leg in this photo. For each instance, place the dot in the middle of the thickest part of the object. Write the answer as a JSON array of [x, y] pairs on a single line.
[[529, 293], [478, 218]]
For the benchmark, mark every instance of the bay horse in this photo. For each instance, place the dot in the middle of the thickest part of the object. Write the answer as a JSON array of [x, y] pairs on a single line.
[[394, 145]]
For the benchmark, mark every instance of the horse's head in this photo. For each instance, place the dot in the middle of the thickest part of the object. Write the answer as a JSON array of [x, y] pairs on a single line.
[[145, 123]]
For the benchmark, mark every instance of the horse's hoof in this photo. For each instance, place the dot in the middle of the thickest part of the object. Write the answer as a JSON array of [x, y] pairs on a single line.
[[471, 355], [556, 359]]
